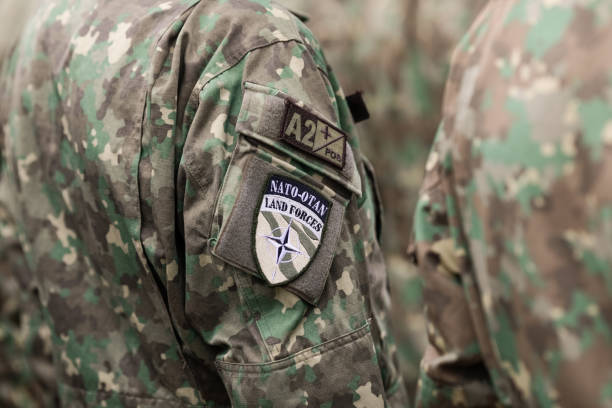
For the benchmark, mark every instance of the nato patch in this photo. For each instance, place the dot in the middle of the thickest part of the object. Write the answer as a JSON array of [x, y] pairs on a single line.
[[313, 135], [289, 226]]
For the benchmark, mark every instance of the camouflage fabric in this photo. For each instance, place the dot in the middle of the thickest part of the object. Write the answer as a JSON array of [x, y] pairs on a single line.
[[398, 53], [513, 223], [26, 367], [27, 377], [127, 143]]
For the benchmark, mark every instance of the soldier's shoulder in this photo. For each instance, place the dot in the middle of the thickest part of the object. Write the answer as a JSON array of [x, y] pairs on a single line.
[[239, 26]]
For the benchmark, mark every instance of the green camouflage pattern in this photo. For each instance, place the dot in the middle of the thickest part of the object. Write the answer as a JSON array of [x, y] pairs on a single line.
[[26, 367], [513, 223], [120, 165], [397, 52], [27, 377]]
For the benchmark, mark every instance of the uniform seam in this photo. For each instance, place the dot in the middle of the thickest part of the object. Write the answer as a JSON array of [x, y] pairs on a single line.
[[148, 265], [333, 344], [262, 321], [194, 98], [293, 36], [201, 83], [490, 359], [252, 304], [132, 396]]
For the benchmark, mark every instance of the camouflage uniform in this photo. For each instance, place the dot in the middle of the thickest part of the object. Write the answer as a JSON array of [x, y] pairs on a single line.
[[141, 143], [399, 55], [26, 367], [514, 221]]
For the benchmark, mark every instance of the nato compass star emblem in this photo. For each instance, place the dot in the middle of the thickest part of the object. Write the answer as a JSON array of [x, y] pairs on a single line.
[[283, 246], [289, 226]]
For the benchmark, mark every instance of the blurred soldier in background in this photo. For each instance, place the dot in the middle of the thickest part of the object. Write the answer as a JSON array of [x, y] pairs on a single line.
[[514, 222], [182, 185]]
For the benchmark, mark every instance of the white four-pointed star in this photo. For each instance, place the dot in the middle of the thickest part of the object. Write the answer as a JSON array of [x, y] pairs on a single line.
[[282, 244]]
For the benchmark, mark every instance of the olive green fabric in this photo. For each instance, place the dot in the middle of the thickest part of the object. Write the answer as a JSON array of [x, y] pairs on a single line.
[[336, 353]]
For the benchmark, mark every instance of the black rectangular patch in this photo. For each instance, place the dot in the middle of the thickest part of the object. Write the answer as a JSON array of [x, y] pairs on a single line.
[[314, 135], [358, 107]]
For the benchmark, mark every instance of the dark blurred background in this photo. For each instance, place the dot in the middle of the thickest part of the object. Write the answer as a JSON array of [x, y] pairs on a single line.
[[398, 53]]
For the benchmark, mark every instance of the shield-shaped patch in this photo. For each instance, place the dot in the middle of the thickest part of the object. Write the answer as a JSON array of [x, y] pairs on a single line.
[[289, 226]]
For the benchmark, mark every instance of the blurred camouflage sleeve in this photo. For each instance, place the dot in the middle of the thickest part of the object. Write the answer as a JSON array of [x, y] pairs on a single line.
[[453, 372], [513, 216], [26, 364]]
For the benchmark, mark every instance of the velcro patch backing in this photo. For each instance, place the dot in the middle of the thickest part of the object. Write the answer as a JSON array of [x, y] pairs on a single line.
[[313, 135], [262, 117], [238, 237]]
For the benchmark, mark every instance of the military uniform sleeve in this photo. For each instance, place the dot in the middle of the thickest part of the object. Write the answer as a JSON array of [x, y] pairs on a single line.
[[511, 227], [272, 267], [26, 363], [194, 208], [452, 370]]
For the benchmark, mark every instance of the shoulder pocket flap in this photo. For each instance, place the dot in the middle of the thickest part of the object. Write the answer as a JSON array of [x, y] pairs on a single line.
[[288, 125]]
